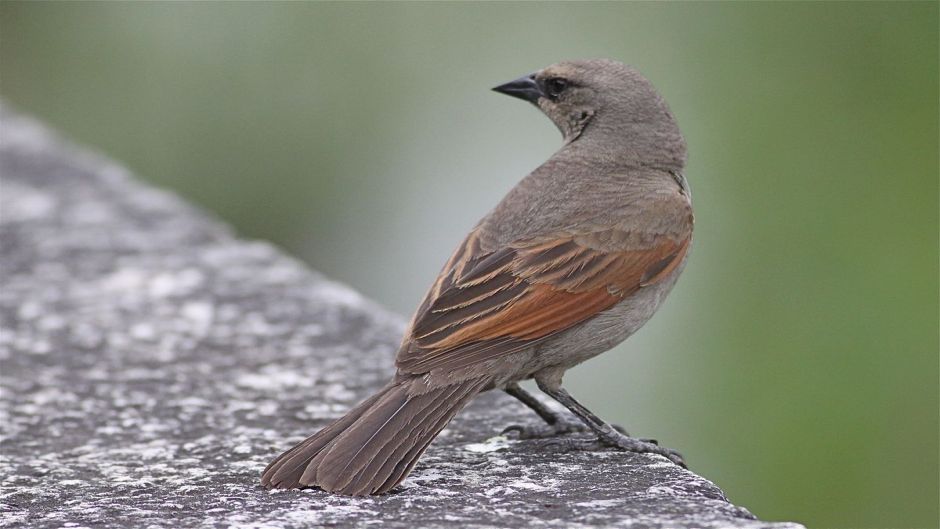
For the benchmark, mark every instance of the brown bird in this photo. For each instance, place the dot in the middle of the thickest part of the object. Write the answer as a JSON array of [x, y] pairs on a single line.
[[576, 258]]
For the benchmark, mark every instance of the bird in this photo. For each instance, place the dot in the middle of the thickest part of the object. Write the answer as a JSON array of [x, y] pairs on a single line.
[[571, 262]]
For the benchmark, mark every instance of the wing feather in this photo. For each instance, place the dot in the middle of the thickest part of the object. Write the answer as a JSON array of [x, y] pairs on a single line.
[[489, 304]]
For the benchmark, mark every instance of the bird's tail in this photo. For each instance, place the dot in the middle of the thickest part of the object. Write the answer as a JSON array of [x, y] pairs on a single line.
[[373, 447]]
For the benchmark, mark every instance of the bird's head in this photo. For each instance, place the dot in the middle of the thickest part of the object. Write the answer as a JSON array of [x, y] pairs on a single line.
[[595, 94]]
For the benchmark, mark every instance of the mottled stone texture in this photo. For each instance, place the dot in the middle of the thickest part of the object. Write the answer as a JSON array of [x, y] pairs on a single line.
[[152, 364]]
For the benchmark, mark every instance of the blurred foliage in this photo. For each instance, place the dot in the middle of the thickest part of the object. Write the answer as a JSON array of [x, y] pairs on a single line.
[[796, 364]]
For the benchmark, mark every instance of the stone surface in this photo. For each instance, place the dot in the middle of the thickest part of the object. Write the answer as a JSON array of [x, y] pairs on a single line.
[[152, 364]]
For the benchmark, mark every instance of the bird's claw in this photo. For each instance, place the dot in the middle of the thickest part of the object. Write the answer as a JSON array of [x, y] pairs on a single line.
[[646, 446], [618, 441], [543, 431]]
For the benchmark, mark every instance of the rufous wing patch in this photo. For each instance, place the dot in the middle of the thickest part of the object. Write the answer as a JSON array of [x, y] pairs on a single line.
[[492, 304]]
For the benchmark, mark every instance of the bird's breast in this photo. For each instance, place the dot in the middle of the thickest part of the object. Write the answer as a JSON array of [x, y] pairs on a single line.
[[605, 330]]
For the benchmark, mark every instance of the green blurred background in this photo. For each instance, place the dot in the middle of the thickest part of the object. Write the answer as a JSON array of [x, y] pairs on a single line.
[[796, 363]]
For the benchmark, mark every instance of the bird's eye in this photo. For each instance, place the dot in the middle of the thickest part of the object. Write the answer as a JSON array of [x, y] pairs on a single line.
[[555, 86]]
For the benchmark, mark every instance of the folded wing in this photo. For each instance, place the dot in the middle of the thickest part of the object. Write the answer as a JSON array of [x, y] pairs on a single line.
[[488, 304]]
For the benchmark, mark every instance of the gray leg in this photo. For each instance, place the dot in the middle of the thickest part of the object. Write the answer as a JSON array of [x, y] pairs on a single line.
[[535, 404], [606, 434], [558, 424]]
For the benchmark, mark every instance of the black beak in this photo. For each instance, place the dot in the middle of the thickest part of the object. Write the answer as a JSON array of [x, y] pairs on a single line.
[[523, 88]]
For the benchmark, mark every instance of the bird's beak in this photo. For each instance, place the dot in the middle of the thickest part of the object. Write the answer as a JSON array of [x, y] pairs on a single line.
[[523, 88]]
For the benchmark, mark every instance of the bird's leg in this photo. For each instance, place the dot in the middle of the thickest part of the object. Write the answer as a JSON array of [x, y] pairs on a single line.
[[557, 423], [606, 434]]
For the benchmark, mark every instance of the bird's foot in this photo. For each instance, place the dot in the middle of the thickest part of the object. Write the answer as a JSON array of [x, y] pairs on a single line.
[[562, 426], [614, 439]]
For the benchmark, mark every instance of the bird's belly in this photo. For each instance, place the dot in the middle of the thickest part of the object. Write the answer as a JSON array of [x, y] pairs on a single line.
[[573, 346], [600, 333]]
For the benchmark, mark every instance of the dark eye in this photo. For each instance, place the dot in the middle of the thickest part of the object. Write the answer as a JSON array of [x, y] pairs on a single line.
[[555, 86]]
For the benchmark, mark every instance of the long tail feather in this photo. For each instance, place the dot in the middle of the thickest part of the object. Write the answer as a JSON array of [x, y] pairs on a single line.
[[372, 448]]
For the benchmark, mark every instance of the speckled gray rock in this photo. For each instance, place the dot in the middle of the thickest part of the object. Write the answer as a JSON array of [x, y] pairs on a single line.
[[152, 364]]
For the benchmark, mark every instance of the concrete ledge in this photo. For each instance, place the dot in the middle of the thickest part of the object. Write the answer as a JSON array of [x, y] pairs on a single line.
[[152, 365]]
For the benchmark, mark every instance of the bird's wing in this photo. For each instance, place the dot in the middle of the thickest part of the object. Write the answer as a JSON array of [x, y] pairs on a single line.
[[487, 304]]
